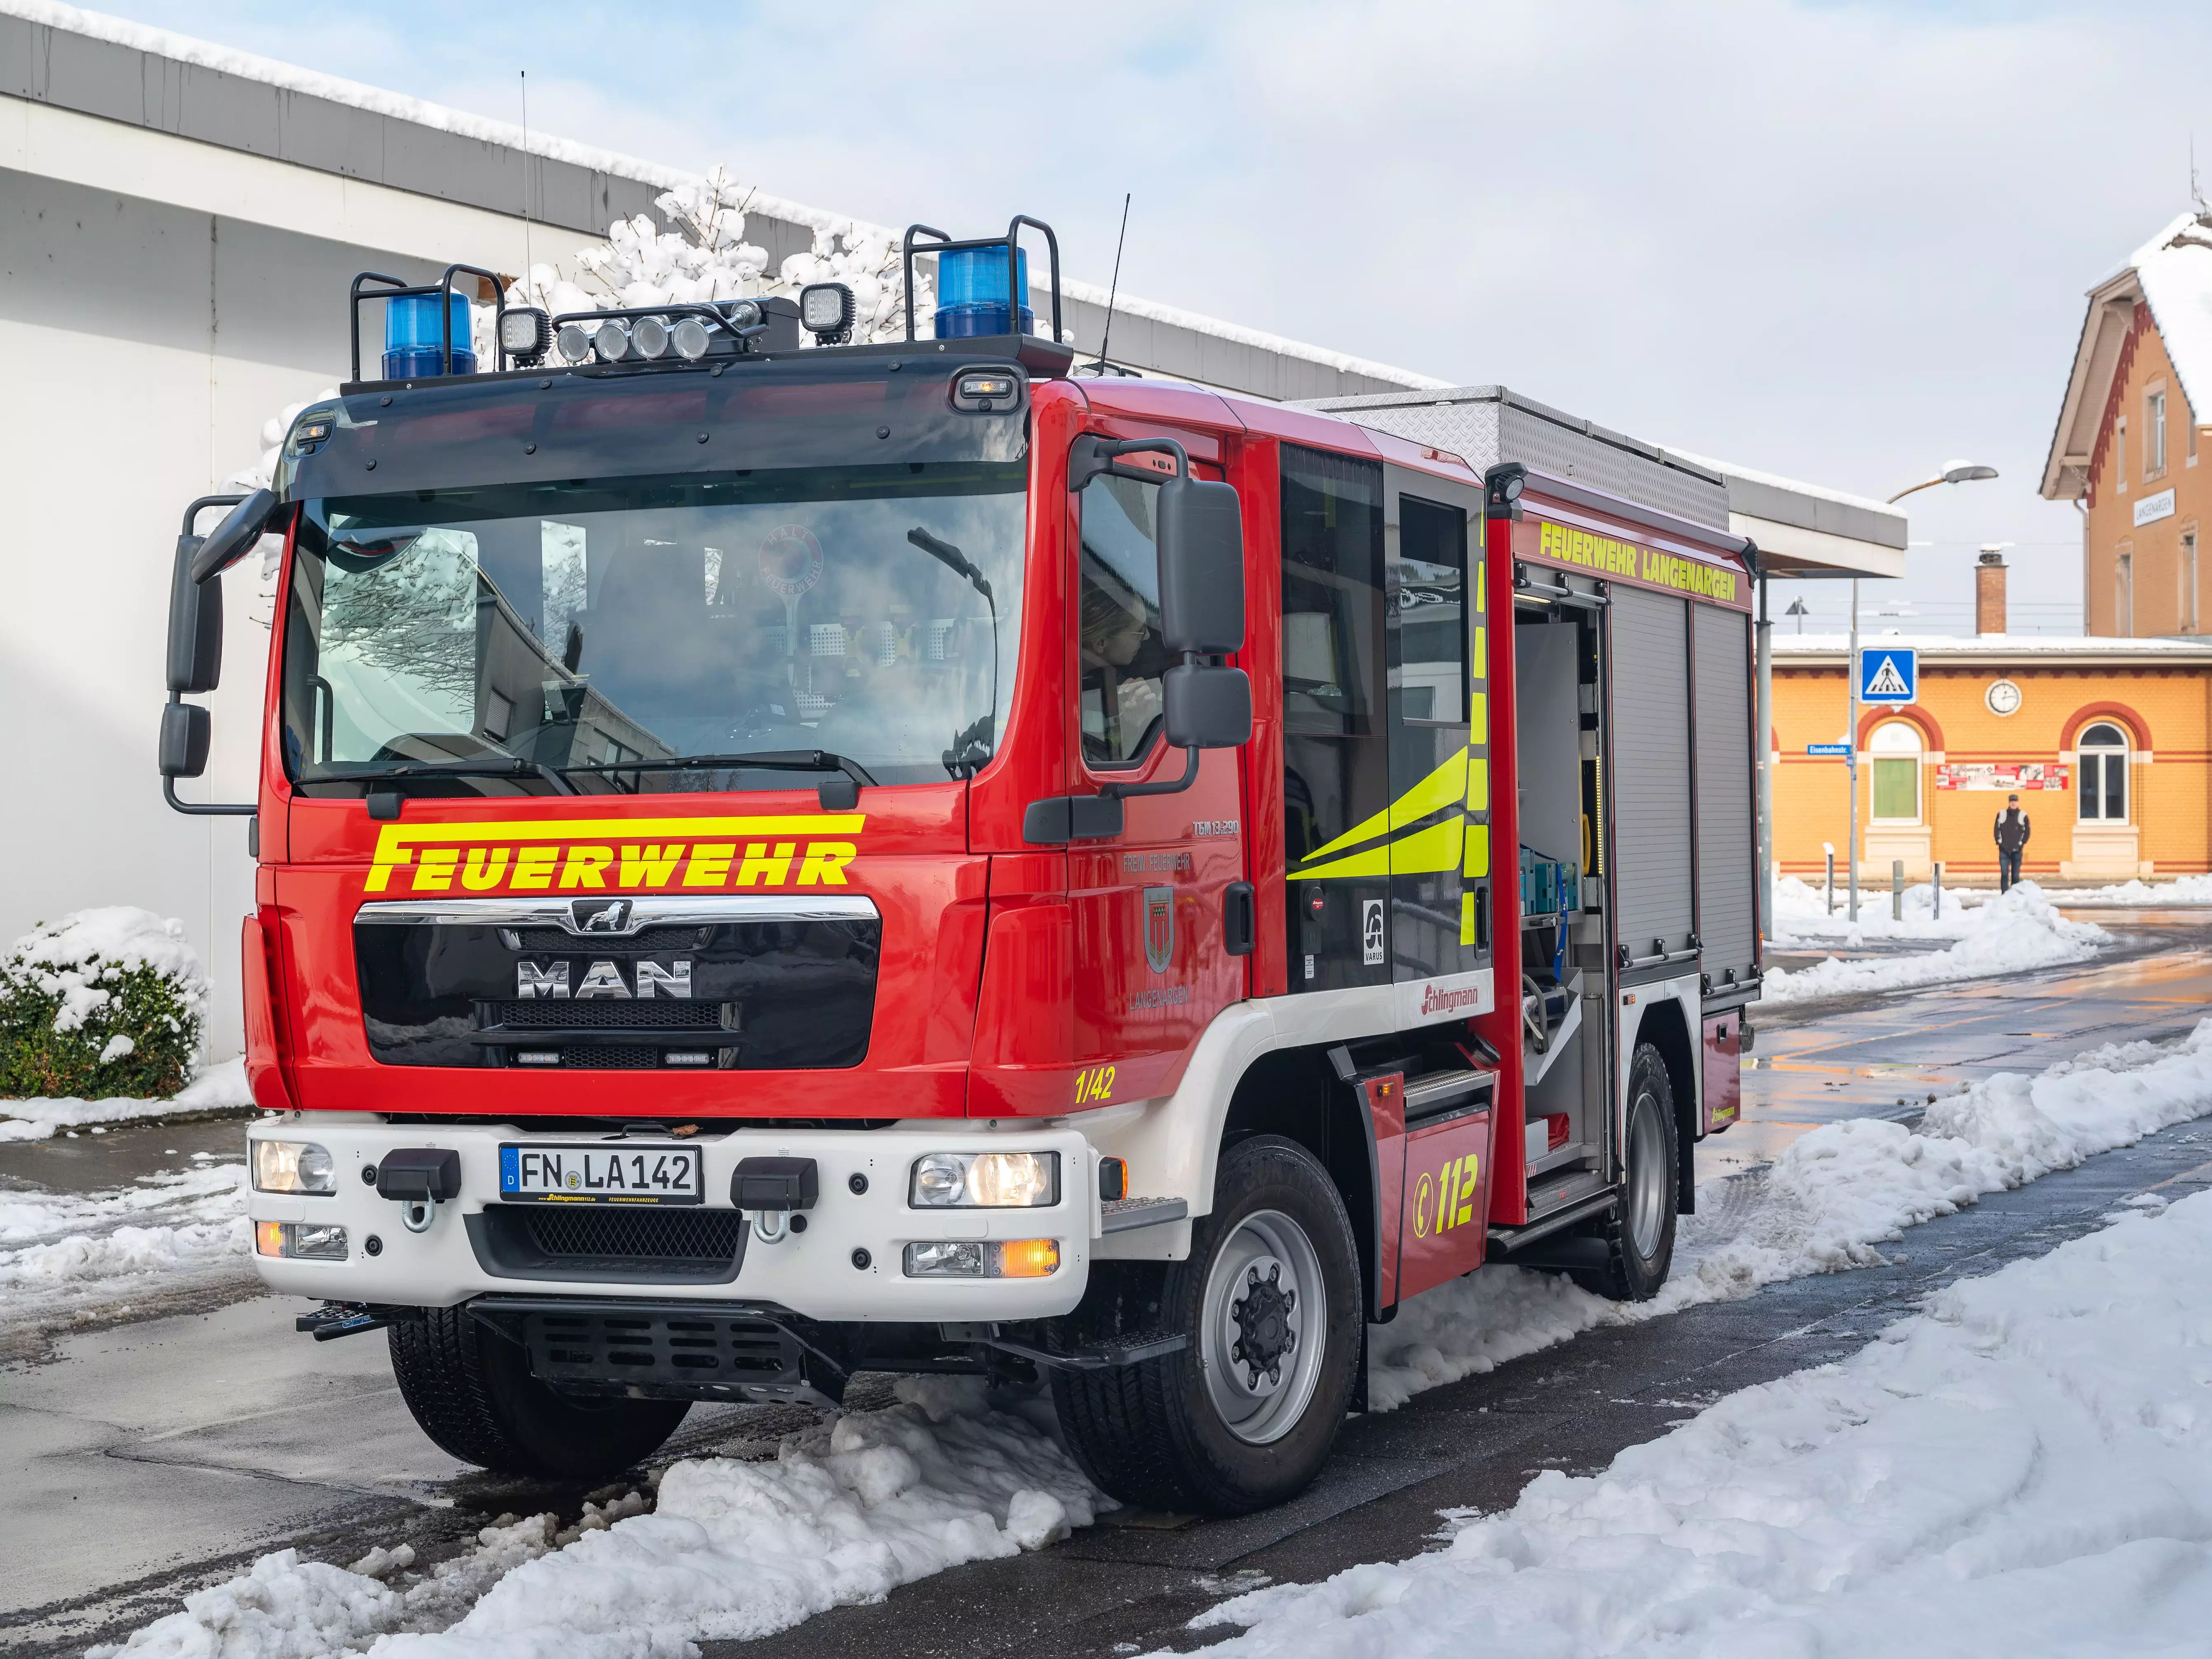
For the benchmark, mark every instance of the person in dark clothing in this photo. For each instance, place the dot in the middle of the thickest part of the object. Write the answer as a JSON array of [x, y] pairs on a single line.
[[2012, 832]]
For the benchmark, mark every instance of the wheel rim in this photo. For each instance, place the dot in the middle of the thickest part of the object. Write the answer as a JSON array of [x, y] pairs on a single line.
[[1263, 1326], [1647, 1176]]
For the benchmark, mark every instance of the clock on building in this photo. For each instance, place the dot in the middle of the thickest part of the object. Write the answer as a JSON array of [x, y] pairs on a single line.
[[2002, 697]]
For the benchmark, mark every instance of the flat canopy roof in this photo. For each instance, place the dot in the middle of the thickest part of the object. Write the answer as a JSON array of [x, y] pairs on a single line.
[[1807, 531]]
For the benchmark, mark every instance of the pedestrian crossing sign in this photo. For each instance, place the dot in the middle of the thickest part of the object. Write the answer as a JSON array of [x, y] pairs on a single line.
[[1889, 673]]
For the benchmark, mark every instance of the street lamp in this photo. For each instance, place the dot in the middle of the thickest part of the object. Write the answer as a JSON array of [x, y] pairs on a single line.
[[1953, 472]]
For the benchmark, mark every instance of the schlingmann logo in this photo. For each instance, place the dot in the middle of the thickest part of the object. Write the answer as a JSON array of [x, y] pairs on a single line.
[[1436, 1001], [599, 854]]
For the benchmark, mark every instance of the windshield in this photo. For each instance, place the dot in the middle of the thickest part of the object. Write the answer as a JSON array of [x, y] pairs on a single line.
[[598, 636]]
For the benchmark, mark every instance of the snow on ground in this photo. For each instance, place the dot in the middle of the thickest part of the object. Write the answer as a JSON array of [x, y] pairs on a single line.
[[221, 1087], [2023, 1469], [1801, 912], [2013, 933], [849, 1512], [62, 1250], [2181, 890], [1824, 1204]]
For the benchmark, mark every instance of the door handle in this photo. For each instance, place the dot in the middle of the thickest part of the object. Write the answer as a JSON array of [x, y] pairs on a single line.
[[1240, 918]]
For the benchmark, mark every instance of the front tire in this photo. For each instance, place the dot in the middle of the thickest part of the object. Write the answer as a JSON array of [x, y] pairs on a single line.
[[473, 1393], [1640, 1233], [1269, 1301]]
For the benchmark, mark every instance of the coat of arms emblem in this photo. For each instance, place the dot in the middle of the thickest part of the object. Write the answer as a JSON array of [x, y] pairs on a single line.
[[1159, 927]]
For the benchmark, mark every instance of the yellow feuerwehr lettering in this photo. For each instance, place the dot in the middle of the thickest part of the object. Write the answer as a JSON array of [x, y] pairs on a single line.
[[486, 868], [534, 867], [766, 869], [586, 867], [649, 866], [433, 873], [710, 866], [826, 863]]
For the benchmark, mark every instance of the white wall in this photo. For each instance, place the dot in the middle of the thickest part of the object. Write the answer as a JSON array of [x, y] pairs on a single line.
[[143, 344]]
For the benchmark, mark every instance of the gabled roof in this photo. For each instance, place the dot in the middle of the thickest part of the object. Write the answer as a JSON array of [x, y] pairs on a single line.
[[2171, 274]]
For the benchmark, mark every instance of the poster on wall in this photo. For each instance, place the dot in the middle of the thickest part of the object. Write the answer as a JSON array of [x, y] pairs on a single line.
[[1998, 775]]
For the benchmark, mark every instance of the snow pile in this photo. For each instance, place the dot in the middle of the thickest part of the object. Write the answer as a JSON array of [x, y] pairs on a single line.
[[61, 1249], [221, 1087], [2025, 1469], [2013, 932], [1801, 912], [2182, 890], [1825, 1204], [69, 989], [848, 1512]]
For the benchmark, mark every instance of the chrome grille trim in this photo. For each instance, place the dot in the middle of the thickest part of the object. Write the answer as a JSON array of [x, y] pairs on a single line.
[[644, 913]]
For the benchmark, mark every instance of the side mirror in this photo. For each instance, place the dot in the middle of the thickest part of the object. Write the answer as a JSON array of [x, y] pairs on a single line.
[[234, 535], [185, 734], [1201, 549], [1207, 706], [195, 624]]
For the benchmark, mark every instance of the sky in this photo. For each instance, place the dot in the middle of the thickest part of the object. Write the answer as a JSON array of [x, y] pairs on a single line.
[[1843, 242]]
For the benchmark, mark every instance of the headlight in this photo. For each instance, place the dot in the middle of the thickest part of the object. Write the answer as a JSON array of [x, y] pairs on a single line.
[[1020, 1258], [307, 1241], [292, 1166], [988, 1181]]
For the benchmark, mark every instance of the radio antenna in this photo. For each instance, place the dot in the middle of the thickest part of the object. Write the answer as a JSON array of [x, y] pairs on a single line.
[[1106, 339], [526, 175]]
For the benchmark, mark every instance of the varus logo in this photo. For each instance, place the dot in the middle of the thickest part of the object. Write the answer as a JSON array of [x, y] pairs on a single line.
[[610, 854]]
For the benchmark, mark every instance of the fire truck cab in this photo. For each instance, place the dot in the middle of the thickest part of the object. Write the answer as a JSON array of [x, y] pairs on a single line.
[[777, 859]]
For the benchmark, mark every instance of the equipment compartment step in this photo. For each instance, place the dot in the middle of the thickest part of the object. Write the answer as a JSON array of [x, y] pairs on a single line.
[[1119, 1215]]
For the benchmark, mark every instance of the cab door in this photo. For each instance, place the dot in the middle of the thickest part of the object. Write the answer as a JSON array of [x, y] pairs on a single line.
[[1152, 959]]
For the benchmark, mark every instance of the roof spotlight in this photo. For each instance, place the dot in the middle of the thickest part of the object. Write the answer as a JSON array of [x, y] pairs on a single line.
[[690, 336], [611, 341], [648, 338], [524, 332], [827, 309], [575, 342]]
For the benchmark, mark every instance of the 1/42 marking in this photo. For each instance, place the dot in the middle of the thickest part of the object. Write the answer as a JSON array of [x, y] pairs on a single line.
[[1094, 1085]]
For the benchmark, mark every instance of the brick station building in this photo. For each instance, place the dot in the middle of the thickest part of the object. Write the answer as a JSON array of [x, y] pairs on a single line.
[[2108, 743]]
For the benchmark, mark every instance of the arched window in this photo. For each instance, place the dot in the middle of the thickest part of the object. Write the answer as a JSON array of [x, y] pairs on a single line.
[[2104, 789], [1896, 747]]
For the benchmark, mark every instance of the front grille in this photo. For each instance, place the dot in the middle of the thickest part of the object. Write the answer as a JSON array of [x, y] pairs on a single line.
[[673, 1234], [606, 1057], [714, 1353], [607, 1014], [651, 939]]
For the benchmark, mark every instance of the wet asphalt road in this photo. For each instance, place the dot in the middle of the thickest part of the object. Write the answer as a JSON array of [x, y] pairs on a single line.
[[145, 1459]]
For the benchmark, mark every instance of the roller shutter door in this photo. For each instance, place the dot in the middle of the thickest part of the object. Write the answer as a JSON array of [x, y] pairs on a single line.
[[1726, 863], [1653, 877]]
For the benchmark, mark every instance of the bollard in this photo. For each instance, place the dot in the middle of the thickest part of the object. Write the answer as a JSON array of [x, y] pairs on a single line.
[[1939, 891], [1897, 890], [1829, 848]]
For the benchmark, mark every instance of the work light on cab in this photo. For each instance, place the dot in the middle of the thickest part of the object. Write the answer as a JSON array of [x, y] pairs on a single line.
[[985, 1181], [611, 341], [826, 310], [292, 1166], [648, 338], [526, 334]]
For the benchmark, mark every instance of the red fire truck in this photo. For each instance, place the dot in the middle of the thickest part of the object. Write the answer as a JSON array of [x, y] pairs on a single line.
[[779, 857]]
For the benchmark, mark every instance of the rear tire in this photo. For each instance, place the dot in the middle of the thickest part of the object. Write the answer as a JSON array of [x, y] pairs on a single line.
[[1639, 1235], [1245, 1415], [473, 1393]]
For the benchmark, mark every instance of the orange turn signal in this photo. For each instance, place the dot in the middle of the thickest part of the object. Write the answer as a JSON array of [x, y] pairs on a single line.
[[269, 1238], [1029, 1258]]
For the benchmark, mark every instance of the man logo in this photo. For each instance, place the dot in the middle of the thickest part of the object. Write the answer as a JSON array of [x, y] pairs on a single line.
[[599, 915], [603, 979], [1159, 927], [1372, 951]]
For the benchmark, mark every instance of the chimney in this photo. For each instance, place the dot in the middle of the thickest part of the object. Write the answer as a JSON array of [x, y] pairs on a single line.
[[1990, 593]]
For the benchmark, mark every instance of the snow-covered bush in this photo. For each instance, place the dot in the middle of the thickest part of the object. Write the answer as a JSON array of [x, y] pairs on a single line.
[[103, 1002]]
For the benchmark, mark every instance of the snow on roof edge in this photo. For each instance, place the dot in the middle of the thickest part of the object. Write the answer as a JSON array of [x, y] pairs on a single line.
[[1820, 492], [1995, 644], [356, 94]]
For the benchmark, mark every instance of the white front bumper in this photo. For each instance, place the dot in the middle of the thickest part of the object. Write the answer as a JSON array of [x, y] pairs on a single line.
[[813, 1273]]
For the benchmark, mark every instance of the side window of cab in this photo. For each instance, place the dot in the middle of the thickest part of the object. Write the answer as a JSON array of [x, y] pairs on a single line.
[[1118, 621]]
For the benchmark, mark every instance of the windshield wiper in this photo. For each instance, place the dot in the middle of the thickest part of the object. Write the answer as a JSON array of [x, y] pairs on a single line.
[[515, 768], [971, 748], [841, 796]]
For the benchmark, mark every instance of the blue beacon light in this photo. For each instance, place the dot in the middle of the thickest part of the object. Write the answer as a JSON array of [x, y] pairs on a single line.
[[414, 345], [971, 293]]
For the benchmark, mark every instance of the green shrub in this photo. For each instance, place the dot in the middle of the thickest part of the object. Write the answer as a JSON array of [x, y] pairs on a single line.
[[103, 1002]]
